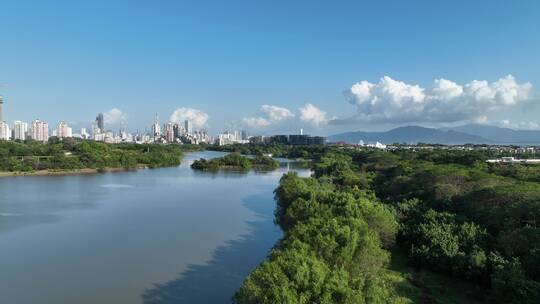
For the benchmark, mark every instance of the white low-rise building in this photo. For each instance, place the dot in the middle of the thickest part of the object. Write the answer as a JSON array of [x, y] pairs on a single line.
[[513, 160]]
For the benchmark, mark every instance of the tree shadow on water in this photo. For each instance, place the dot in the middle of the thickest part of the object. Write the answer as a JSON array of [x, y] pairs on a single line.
[[216, 281]]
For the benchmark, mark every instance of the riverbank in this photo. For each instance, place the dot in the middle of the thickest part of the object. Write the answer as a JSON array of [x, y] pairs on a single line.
[[84, 171]]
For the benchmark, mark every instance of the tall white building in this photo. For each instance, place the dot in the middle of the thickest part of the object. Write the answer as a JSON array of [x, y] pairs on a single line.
[[188, 125], [96, 132], [5, 132], [20, 130], [156, 128], [84, 133], [63, 130], [40, 130]]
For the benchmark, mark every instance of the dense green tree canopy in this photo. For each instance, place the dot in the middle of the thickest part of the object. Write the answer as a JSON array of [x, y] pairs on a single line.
[[71, 154], [448, 210]]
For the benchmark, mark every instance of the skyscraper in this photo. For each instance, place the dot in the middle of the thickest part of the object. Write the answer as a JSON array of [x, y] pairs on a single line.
[[178, 130], [188, 126], [100, 122], [1, 108], [156, 128], [20, 129], [169, 132]]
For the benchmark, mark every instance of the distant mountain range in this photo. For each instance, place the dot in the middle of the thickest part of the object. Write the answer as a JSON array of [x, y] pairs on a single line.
[[470, 133], [501, 135]]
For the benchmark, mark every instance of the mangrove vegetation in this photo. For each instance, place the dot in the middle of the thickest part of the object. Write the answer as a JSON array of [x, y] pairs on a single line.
[[372, 226]]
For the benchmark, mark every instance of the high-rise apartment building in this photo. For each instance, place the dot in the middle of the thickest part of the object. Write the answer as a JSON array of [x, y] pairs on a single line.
[[20, 130], [63, 130], [178, 130], [5, 132], [188, 125], [40, 130], [169, 132]]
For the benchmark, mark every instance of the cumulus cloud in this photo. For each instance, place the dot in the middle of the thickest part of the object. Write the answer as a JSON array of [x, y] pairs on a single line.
[[313, 115], [276, 113], [269, 115], [394, 101], [114, 116], [198, 118], [257, 121]]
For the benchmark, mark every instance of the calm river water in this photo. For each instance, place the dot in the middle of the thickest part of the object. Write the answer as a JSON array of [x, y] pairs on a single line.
[[169, 235]]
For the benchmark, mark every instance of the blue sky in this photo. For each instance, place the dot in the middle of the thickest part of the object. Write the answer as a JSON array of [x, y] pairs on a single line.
[[69, 60]]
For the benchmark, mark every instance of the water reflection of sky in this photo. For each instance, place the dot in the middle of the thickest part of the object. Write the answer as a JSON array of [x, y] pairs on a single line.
[[153, 235]]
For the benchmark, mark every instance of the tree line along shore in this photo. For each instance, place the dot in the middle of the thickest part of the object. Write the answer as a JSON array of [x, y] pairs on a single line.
[[402, 227], [71, 156]]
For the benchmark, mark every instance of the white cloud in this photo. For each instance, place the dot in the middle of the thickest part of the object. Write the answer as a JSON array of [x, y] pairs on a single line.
[[114, 116], [392, 101], [197, 117], [256, 122], [313, 115], [270, 115], [523, 125], [482, 119], [446, 89], [276, 113]]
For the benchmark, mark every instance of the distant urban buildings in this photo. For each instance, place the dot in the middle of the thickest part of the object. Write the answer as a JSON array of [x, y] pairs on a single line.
[[169, 132], [100, 122], [156, 128], [228, 138], [513, 160], [5, 132], [293, 139], [84, 134], [188, 126], [376, 144], [63, 130], [178, 132], [39, 130], [20, 130]]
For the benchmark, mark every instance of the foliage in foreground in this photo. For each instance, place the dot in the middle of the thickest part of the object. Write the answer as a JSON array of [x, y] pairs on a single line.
[[457, 220], [331, 251]]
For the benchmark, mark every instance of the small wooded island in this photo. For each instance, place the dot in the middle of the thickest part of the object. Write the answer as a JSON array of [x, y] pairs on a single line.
[[235, 161]]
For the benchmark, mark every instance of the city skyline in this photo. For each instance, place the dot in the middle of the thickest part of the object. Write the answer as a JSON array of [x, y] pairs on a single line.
[[319, 66]]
